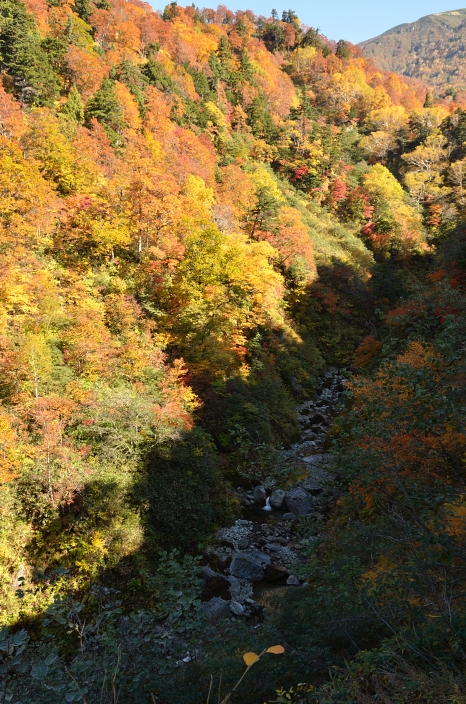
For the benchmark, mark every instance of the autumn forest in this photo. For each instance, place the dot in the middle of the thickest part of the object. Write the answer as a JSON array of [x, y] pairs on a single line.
[[230, 249]]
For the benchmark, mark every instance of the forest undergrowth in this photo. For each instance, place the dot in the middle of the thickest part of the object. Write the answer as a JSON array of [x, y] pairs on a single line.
[[200, 210]]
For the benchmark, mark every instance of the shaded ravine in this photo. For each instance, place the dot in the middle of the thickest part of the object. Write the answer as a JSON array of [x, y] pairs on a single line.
[[261, 550]]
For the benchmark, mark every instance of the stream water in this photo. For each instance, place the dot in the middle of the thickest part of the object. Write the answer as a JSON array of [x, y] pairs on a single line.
[[257, 554]]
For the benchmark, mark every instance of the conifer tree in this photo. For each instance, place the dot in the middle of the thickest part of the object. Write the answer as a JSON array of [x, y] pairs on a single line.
[[342, 50], [73, 109], [428, 103], [157, 75], [22, 56], [105, 108], [83, 9]]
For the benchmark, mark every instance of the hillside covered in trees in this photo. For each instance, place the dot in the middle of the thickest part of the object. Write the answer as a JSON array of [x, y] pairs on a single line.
[[432, 49], [202, 211]]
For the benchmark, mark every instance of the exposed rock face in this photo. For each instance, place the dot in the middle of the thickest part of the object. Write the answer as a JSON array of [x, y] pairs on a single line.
[[299, 502]]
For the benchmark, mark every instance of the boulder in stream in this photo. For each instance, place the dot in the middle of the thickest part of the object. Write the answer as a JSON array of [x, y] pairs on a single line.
[[299, 502], [260, 495], [277, 498], [236, 608], [244, 566]]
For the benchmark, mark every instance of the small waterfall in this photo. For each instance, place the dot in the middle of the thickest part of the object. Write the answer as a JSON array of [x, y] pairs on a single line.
[[267, 506]]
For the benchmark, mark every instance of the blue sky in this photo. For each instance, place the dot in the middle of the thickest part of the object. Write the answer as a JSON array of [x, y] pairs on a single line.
[[354, 20]]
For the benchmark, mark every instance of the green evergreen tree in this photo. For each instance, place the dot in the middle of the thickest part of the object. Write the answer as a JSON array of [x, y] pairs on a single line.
[[83, 9], [169, 11], [134, 79], [273, 36], [342, 50], [105, 108], [156, 74], [259, 119], [312, 38], [23, 58], [56, 51], [225, 55], [217, 69], [246, 67], [200, 81], [73, 109], [428, 103], [264, 212]]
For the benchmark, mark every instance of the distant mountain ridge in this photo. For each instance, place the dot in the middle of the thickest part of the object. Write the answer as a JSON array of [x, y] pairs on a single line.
[[432, 49]]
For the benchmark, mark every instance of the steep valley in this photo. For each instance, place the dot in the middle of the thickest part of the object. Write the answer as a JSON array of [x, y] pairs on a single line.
[[232, 358]]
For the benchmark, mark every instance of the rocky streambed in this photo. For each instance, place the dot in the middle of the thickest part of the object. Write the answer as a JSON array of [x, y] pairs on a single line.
[[262, 549]]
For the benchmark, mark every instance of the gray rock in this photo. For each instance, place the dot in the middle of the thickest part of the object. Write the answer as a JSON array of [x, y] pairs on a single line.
[[244, 566], [293, 581], [260, 495], [208, 573], [316, 459], [240, 590], [260, 557], [272, 547], [277, 498], [243, 543], [235, 585], [236, 608], [289, 516], [215, 609], [311, 486], [299, 502]]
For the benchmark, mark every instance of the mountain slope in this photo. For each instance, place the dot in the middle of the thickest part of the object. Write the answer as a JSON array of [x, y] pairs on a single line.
[[432, 49], [199, 212]]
